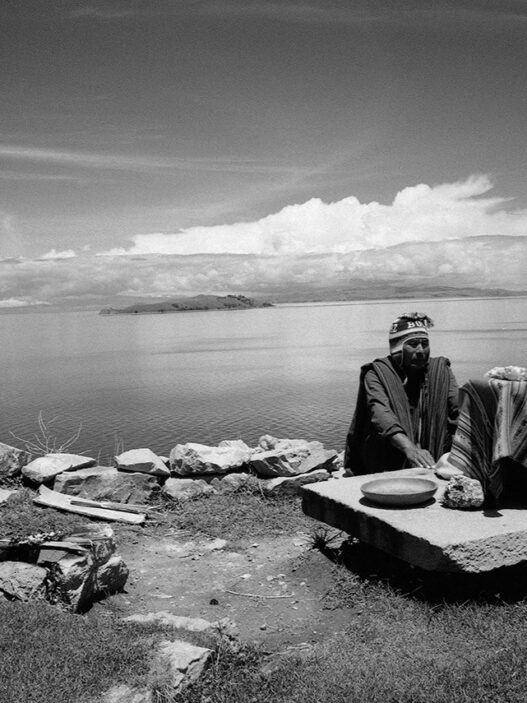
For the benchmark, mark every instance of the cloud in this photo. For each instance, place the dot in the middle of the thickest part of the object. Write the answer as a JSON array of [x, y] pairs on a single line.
[[137, 163], [417, 213], [18, 303], [449, 235], [53, 254]]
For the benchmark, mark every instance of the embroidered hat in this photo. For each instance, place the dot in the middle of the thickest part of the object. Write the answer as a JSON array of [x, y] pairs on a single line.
[[410, 324]]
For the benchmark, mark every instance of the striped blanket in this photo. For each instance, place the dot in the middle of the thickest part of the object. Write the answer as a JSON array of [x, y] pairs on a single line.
[[492, 427]]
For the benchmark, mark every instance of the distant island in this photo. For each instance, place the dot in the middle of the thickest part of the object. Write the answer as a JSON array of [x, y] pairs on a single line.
[[198, 302]]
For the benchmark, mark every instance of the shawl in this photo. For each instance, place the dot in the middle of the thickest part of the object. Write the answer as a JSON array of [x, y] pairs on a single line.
[[433, 408], [492, 427]]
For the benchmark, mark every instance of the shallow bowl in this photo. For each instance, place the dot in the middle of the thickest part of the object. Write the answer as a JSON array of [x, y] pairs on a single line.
[[399, 491]]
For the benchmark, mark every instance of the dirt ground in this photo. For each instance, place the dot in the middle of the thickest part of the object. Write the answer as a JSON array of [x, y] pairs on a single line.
[[273, 588]]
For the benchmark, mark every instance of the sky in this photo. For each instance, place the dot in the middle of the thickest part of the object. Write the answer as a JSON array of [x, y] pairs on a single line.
[[158, 148]]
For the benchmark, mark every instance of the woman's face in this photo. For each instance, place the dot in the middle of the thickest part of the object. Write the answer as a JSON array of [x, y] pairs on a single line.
[[416, 352]]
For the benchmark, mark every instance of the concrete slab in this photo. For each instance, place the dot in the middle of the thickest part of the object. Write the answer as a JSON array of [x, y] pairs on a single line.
[[428, 535]]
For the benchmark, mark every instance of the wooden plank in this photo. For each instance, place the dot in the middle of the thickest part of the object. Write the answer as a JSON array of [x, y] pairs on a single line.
[[109, 505], [62, 501]]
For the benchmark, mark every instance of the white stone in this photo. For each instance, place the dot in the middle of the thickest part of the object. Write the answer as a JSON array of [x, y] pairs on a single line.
[[45, 468], [124, 693], [107, 483], [178, 664], [291, 485], [5, 494], [230, 483], [429, 535], [290, 457], [143, 461], [180, 622], [12, 460], [186, 488], [22, 581], [193, 458]]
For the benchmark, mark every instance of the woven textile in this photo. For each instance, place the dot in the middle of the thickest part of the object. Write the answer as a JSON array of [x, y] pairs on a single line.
[[492, 426]]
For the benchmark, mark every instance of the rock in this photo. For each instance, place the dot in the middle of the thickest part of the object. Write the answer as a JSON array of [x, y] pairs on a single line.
[[463, 493], [192, 458], [111, 576], [72, 580], [12, 460], [291, 485], [426, 535], [107, 483], [5, 494], [230, 483], [180, 622], [127, 694], [186, 488], [289, 457], [22, 581], [99, 539], [45, 468], [143, 461], [178, 664]]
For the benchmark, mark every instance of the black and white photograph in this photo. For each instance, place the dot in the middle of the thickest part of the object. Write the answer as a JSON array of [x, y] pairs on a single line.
[[263, 359]]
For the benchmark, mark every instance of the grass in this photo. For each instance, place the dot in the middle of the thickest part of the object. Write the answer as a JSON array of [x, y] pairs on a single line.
[[21, 518], [406, 636], [236, 516], [48, 655], [393, 647]]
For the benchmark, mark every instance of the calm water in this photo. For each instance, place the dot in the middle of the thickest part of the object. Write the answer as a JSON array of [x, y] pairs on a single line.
[[291, 371]]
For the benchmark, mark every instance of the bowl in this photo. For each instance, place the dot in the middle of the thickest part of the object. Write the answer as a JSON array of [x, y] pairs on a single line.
[[399, 491]]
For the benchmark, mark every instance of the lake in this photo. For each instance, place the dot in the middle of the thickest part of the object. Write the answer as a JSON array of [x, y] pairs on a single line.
[[291, 371]]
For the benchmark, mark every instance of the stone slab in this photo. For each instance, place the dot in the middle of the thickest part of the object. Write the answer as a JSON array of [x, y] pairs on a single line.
[[429, 536]]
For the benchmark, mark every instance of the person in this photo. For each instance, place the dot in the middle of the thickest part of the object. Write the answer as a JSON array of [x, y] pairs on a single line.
[[407, 404]]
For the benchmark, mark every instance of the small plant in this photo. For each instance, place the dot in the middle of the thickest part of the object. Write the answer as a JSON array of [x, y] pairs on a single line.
[[46, 441], [323, 538]]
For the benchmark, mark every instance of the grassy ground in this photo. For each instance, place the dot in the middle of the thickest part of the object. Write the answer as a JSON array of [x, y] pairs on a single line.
[[407, 636]]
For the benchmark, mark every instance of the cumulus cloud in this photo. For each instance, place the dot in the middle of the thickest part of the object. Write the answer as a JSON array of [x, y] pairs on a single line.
[[448, 235], [417, 213]]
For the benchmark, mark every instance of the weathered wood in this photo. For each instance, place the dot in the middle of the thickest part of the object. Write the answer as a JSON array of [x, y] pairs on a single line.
[[109, 505], [61, 501]]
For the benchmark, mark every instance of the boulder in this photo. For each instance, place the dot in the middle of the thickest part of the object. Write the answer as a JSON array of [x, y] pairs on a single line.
[[22, 581], [111, 576], [291, 485], [143, 461], [195, 459], [45, 468], [177, 664], [72, 581], [5, 494], [463, 493], [12, 460], [230, 483], [107, 483], [186, 488], [290, 457]]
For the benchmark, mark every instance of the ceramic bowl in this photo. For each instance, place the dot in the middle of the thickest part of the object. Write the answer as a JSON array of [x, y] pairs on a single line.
[[399, 491]]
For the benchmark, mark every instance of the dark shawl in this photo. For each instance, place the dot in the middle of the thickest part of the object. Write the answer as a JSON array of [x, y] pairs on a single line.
[[435, 435]]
